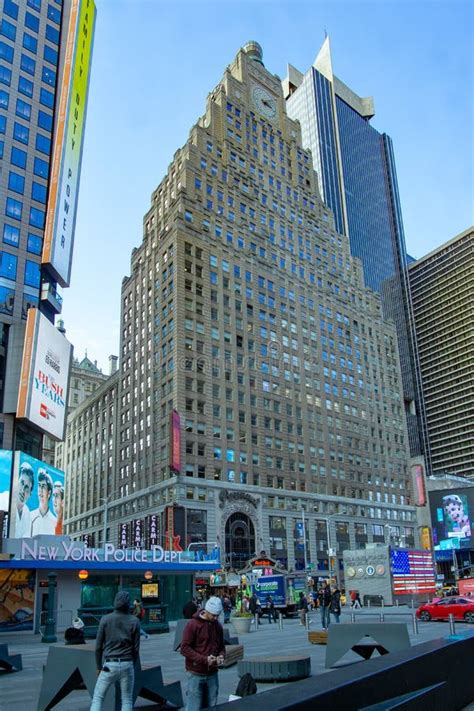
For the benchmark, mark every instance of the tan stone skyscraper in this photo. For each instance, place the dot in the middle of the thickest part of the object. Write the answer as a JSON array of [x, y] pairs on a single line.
[[257, 375], [442, 285]]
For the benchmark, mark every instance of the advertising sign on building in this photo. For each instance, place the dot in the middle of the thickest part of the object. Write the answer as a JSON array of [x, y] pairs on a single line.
[[37, 504], [451, 512], [175, 442], [68, 143], [6, 461], [42, 395]]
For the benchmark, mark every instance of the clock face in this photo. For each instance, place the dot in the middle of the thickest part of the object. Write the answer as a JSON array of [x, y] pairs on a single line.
[[264, 102]]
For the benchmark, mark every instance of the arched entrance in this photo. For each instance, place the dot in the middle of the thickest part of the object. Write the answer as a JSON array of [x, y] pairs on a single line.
[[239, 540]]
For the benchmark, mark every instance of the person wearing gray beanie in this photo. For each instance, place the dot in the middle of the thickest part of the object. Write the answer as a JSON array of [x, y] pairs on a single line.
[[202, 645], [116, 652]]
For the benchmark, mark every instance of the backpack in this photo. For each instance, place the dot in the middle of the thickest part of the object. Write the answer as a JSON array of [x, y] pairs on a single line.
[[246, 686]]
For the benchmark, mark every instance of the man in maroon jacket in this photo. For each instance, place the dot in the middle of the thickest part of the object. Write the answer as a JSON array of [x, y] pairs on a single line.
[[203, 646]]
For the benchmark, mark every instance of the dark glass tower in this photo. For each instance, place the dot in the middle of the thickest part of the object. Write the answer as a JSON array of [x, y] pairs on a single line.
[[357, 179]]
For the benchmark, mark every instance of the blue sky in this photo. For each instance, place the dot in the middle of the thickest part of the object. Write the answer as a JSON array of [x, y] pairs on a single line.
[[155, 62]]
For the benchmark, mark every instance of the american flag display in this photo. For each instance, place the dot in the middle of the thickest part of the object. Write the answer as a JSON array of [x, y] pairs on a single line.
[[412, 572]]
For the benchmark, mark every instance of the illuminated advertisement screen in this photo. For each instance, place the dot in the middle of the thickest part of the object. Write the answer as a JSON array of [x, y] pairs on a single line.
[[451, 516], [69, 138], [44, 379], [37, 505], [150, 590], [6, 460]]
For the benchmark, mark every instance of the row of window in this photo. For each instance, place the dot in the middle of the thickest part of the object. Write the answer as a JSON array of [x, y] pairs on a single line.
[[11, 236], [8, 269]]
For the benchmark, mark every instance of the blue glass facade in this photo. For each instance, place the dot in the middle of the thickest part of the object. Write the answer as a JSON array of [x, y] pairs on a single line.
[[328, 149], [367, 200], [358, 181]]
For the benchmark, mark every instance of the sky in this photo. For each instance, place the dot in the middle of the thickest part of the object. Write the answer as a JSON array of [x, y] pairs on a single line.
[[154, 63]]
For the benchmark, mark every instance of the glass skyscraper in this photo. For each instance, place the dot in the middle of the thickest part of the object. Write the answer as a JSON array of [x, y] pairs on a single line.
[[357, 180], [33, 39]]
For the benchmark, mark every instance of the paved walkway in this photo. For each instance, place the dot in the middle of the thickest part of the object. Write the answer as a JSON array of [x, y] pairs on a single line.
[[21, 690]]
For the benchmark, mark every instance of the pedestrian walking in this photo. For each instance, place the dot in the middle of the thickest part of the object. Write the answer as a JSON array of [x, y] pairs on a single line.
[[203, 647], [324, 598], [227, 605], [116, 652], [335, 604], [357, 603], [271, 610], [139, 612], [254, 606], [303, 607]]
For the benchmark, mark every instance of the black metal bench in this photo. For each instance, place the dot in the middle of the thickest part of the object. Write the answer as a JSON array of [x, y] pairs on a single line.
[[9, 662], [277, 669]]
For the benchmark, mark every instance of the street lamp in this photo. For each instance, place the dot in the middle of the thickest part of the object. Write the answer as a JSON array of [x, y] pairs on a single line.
[[328, 534]]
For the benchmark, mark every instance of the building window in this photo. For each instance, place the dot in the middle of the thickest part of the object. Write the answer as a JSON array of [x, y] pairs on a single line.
[[23, 109], [25, 86], [28, 64], [46, 98], [11, 235], [43, 144], [30, 43], [16, 183], [36, 218], [41, 168], [34, 244], [13, 208], [38, 192], [18, 157], [21, 133], [32, 274], [8, 263]]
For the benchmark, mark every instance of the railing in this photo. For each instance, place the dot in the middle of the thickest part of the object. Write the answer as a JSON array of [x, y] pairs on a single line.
[[62, 619]]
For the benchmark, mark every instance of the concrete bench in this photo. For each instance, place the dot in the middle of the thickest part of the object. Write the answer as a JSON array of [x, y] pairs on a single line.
[[284, 668], [73, 668], [9, 662]]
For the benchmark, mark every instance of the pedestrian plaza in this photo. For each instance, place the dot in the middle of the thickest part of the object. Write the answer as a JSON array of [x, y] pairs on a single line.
[[20, 690]]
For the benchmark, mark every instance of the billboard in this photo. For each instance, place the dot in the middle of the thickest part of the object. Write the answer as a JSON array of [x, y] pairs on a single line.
[[6, 460], [451, 517], [68, 142], [42, 396], [37, 504], [175, 442]]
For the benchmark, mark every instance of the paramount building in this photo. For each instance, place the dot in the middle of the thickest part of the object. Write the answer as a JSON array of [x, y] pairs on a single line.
[[259, 399]]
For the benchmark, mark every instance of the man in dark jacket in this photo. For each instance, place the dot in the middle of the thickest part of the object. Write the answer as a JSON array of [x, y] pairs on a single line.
[[203, 647], [324, 598], [116, 652], [254, 606]]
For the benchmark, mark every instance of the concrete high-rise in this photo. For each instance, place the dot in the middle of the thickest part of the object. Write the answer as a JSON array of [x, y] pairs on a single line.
[[45, 51], [357, 179], [258, 378], [442, 287]]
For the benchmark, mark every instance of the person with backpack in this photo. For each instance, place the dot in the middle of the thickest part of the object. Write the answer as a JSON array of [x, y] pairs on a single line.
[[227, 605], [324, 598], [254, 606], [139, 613], [303, 607], [335, 604]]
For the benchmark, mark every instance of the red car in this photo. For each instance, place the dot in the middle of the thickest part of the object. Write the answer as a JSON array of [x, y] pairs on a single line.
[[462, 608]]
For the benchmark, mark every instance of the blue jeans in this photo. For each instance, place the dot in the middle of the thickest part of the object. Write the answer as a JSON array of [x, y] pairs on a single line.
[[202, 691], [121, 672], [336, 616], [325, 618]]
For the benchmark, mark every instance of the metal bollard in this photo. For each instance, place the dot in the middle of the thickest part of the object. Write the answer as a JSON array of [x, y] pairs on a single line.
[[280, 620], [396, 602], [415, 624], [412, 604], [382, 617], [452, 626], [307, 621], [353, 617], [368, 603], [256, 622], [382, 602]]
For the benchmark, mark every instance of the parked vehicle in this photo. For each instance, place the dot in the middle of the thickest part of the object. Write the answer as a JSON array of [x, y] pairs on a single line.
[[462, 608]]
